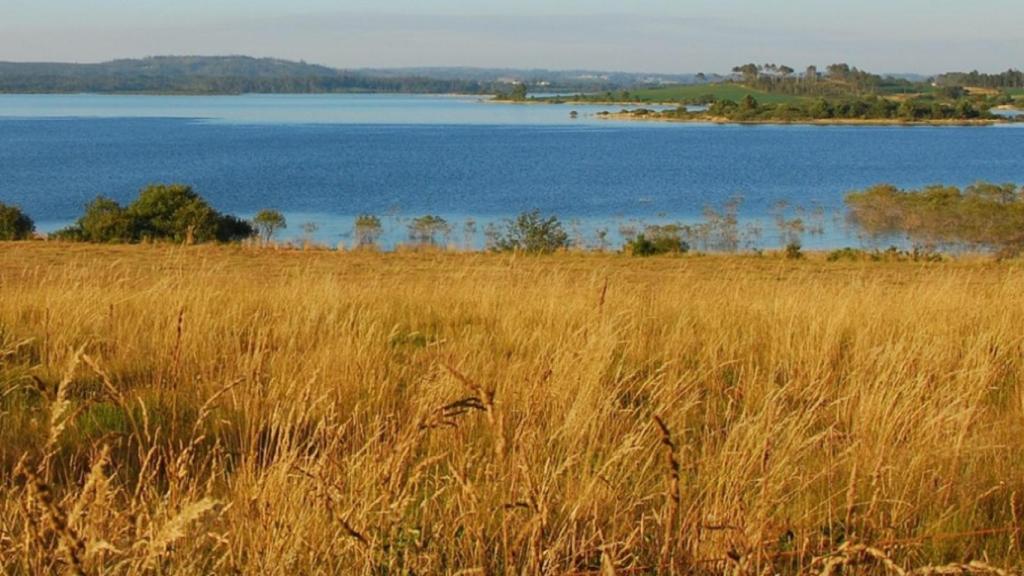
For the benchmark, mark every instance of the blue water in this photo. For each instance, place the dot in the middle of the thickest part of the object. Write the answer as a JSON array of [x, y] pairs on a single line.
[[325, 159]]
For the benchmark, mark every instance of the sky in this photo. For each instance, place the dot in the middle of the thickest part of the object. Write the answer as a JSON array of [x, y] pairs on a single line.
[[669, 36]]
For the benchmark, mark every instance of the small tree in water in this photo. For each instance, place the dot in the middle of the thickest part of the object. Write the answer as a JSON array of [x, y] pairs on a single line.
[[429, 230], [367, 230], [530, 232], [267, 223]]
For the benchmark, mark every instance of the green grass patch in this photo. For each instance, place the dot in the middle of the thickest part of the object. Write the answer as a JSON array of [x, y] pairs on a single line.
[[727, 91], [915, 91]]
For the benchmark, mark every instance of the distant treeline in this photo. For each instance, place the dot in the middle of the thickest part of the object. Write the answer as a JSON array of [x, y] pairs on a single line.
[[844, 80], [839, 79], [1009, 79]]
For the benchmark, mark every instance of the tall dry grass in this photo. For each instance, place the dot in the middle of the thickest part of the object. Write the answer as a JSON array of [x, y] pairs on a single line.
[[218, 411]]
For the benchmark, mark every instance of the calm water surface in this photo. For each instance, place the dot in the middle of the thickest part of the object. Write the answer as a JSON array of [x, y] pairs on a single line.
[[325, 159]]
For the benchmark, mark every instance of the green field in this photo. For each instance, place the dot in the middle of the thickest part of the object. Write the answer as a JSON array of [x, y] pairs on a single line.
[[734, 92]]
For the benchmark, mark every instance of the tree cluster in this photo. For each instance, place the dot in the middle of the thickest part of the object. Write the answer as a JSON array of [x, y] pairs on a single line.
[[173, 213], [840, 79], [1009, 79]]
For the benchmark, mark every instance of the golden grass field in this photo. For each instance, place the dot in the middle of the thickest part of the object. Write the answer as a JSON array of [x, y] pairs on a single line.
[[168, 410]]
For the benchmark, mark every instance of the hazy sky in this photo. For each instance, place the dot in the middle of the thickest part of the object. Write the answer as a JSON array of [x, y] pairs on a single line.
[[636, 35]]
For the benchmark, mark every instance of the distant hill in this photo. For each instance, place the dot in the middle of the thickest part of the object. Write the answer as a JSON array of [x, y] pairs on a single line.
[[211, 75], [243, 74], [173, 67]]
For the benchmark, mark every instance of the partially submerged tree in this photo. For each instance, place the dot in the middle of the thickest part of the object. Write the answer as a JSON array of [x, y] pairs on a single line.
[[368, 230], [429, 230], [984, 215]]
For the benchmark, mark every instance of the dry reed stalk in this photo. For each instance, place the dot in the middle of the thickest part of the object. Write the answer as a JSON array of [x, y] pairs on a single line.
[[673, 492], [851, 503], [72, 544], [1015, 537], [59, 417], [176, 529], [484, 397]]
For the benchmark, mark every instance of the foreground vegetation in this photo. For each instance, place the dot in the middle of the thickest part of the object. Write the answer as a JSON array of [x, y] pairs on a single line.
[[435, 413]]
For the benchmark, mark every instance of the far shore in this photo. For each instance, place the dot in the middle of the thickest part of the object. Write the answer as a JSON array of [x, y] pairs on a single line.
[[705, 119], [628, 116]]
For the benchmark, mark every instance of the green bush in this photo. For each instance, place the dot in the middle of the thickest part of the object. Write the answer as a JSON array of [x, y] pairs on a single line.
[[656, 240], [15, 224], [851, 254], [107, 221], [532, 233], [794, 251], [163, 213]]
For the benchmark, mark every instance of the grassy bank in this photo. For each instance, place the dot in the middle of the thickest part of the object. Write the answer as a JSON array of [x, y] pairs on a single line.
[[677, 94], [228, 410], [725, 91]]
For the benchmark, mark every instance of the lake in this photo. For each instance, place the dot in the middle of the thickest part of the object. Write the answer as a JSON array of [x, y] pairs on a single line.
[[327, 158]]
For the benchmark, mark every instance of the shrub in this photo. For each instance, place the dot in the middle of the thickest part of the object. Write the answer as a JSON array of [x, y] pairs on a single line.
[[794, 251], [177, 213], [174, 213], [104, 221], [852, 254], [657, 240], [532, 233], [15, 224], [231, 228]]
